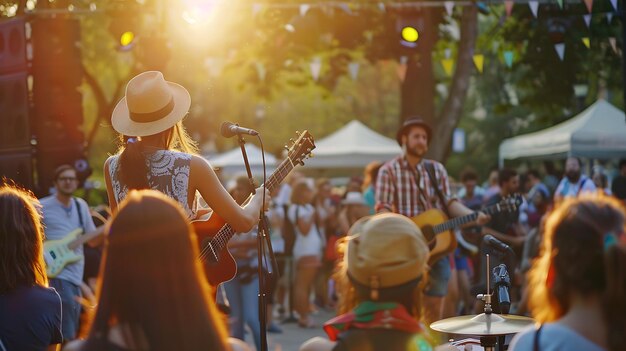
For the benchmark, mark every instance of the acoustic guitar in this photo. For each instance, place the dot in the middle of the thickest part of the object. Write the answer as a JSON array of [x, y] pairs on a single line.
[[212, 232], [439, 231], [59, 253]]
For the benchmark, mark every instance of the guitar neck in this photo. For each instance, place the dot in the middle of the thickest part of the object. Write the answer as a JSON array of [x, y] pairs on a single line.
[[460, 221], [85, 238], [220, 240]]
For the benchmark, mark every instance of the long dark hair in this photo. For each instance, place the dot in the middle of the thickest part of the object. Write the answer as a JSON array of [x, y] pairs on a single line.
[[152, 285], [21, 236], [578, 256], [133, 167]]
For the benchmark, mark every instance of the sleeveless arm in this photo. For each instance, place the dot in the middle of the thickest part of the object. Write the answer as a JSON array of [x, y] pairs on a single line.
[[107, 180], [203, 178]]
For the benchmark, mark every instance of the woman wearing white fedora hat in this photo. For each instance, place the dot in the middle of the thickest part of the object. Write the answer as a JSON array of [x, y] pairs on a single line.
[[157, 153]]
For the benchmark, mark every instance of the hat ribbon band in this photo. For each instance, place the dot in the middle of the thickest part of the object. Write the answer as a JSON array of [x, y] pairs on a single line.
[[145, 117]]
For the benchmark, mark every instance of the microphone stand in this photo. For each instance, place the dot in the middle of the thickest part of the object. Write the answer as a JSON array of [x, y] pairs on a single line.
[[263, 239]]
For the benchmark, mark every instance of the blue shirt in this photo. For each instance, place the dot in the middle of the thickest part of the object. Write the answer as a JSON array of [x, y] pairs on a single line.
[[60, 221], [30, 318]]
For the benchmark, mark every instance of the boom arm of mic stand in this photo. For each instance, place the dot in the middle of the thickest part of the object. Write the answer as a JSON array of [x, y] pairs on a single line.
[[242, 144]]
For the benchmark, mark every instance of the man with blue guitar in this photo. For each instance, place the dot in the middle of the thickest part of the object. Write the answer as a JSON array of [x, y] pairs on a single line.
[[68, 225]]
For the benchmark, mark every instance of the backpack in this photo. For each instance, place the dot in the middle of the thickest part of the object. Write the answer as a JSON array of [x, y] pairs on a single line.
[[289, 231]]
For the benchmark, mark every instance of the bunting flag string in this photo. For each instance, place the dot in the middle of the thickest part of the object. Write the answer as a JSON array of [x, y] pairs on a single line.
[[260, 70], [316, 68], [448, 65], [613, 42], [479, 61], [587, 42], [508, 58], [450, 7], [587, 19], [508, 5], [534, 7], [560, 50], [353, 69], [589, 4]]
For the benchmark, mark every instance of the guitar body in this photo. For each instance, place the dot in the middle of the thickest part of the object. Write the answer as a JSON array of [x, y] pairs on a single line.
[[57, 254], [224, 267], [440, 243]]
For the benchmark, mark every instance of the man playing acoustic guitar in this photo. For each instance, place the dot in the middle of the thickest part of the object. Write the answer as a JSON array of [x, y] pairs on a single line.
[[63, 214], [406, 185]]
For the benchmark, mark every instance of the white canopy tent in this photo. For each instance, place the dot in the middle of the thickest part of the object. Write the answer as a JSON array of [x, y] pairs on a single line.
[[597, 132], [352, 146], [231, 162]]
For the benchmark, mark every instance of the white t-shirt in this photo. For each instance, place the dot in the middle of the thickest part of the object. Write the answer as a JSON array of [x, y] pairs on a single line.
[[309, 244], [553, 337]]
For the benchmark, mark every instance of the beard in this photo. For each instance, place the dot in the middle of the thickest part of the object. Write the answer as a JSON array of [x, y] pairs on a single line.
[[573, 176], [416, 152]]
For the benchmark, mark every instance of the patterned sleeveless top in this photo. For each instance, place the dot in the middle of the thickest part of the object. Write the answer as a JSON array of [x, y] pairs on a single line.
[[169, 174]]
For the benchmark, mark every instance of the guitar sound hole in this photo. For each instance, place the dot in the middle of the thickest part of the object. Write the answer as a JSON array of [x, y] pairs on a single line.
[[428, 232]]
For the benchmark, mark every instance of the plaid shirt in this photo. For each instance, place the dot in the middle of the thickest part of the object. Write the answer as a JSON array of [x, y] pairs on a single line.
[[408, 191]]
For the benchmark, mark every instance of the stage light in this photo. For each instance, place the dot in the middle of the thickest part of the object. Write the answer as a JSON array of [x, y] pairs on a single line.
[[410, 34], [127, 38]]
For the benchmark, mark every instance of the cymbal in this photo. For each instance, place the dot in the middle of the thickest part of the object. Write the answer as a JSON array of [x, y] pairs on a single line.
[[483, 324]]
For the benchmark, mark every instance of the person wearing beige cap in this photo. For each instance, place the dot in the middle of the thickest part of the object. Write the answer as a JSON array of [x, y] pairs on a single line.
[[384, 270], [157, 153]]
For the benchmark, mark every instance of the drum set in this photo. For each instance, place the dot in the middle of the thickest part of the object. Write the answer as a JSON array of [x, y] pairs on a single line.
[[488, 326]]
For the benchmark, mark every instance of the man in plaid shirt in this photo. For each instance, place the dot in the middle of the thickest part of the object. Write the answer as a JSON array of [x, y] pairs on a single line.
[[404, 187]]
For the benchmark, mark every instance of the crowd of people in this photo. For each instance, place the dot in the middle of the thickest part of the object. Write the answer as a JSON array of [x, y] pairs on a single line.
[[69, 277]]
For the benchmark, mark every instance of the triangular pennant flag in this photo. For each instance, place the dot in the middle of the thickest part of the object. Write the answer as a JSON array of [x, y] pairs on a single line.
[[609, 17], [560, 3], [447, 53], [508, 58], [304, 8], [401, 70], [613, 42], [508, 5], [479, 61], [381, 7], [353, 68], [589, 4], [447, 66], [587, 42], [346, 8], [256, 8], [316, 68], [449, 7], [587, 19], [260, 71], [534, 7], [214, 65], [560, 50], [614, 4]]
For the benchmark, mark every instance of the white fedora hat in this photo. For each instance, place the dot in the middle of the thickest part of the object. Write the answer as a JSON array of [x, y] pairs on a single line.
[[150, 105]]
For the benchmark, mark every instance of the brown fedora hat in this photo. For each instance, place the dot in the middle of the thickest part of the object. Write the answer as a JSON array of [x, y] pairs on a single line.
[[150, 105], [413, 122]]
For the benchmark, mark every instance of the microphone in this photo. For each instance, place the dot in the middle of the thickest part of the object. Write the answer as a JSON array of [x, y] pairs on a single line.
[[495, 243], [229, 129]]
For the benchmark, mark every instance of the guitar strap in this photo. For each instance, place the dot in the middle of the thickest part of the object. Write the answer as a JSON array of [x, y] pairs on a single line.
[[430, 168], [80, 215]]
